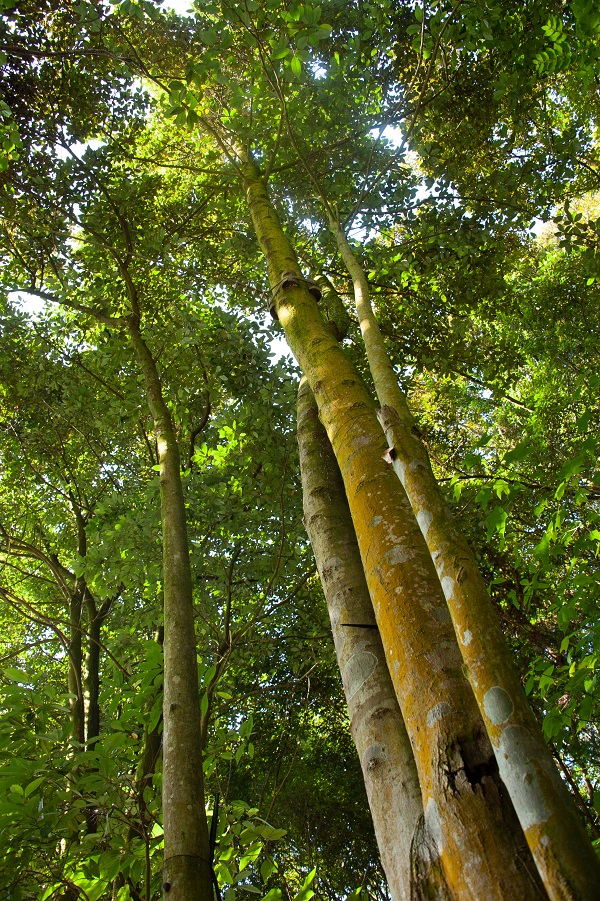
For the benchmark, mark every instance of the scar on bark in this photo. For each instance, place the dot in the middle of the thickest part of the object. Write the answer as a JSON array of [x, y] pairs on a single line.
[[469, 760], [291, 279]]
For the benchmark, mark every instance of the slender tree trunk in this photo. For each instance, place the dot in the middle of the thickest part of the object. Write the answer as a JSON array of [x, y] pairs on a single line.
[[187, 872], [92, 680], [75, 675], [92, 685], [564, 856], [468, 818], [376, 723]]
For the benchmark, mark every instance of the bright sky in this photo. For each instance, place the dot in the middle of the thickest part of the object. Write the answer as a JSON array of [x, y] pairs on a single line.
[[182, 7]]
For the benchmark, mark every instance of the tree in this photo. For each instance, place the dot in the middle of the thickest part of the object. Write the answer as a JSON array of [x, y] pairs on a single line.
[[376, 722]]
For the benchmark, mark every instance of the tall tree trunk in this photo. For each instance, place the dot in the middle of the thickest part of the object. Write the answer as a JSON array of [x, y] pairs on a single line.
[[187, 872], [92, 685], [376, 724], [564, 855], [75, 674], [468, 815], [92, 664]]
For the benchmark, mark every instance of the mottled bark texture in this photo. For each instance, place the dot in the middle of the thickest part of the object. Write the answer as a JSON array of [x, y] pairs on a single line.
[[75, 673], [376, 723], [563, 854], [96, 617], [476, 836], [332, 307], [187, 870]]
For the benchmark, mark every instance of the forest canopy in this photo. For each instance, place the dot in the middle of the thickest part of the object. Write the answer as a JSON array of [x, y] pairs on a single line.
[[211, 546]]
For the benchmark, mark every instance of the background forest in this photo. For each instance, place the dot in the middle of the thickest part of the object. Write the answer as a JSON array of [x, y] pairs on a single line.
[[457, 145]]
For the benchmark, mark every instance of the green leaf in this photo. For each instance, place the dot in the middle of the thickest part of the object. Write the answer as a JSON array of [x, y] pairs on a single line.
[[296, 65], [306, 891], [554, 722], [520, 452], [224, 874], [501, 487], [209, 37], [267, 868], [496, 522], [472, 461], [570, 468], [29, 789], [271, 834], [583, 422], [250, 855], [15, 675], [541, 549]]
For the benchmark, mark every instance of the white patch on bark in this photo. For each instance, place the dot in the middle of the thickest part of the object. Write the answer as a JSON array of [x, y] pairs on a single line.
[[437, 712], [447, 587], [467, 638], [399, 554], [376, 521], [400, 468], [498, 705], [424, 518], [518, 762], [373, 757], [433, 824], [357, 670], [334, 561]]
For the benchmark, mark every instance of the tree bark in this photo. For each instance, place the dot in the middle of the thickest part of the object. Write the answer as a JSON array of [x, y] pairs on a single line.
[[376, 723], [75, 674], [563, 854], [92, 664], [187, 874], [468, 816]]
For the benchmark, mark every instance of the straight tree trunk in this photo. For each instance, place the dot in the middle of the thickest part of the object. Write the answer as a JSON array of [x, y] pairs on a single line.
[[469, 822], [92, 684], [563, 854], [187, 874], [75, 674], [376, 723], [74, 588], [92, 664]]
